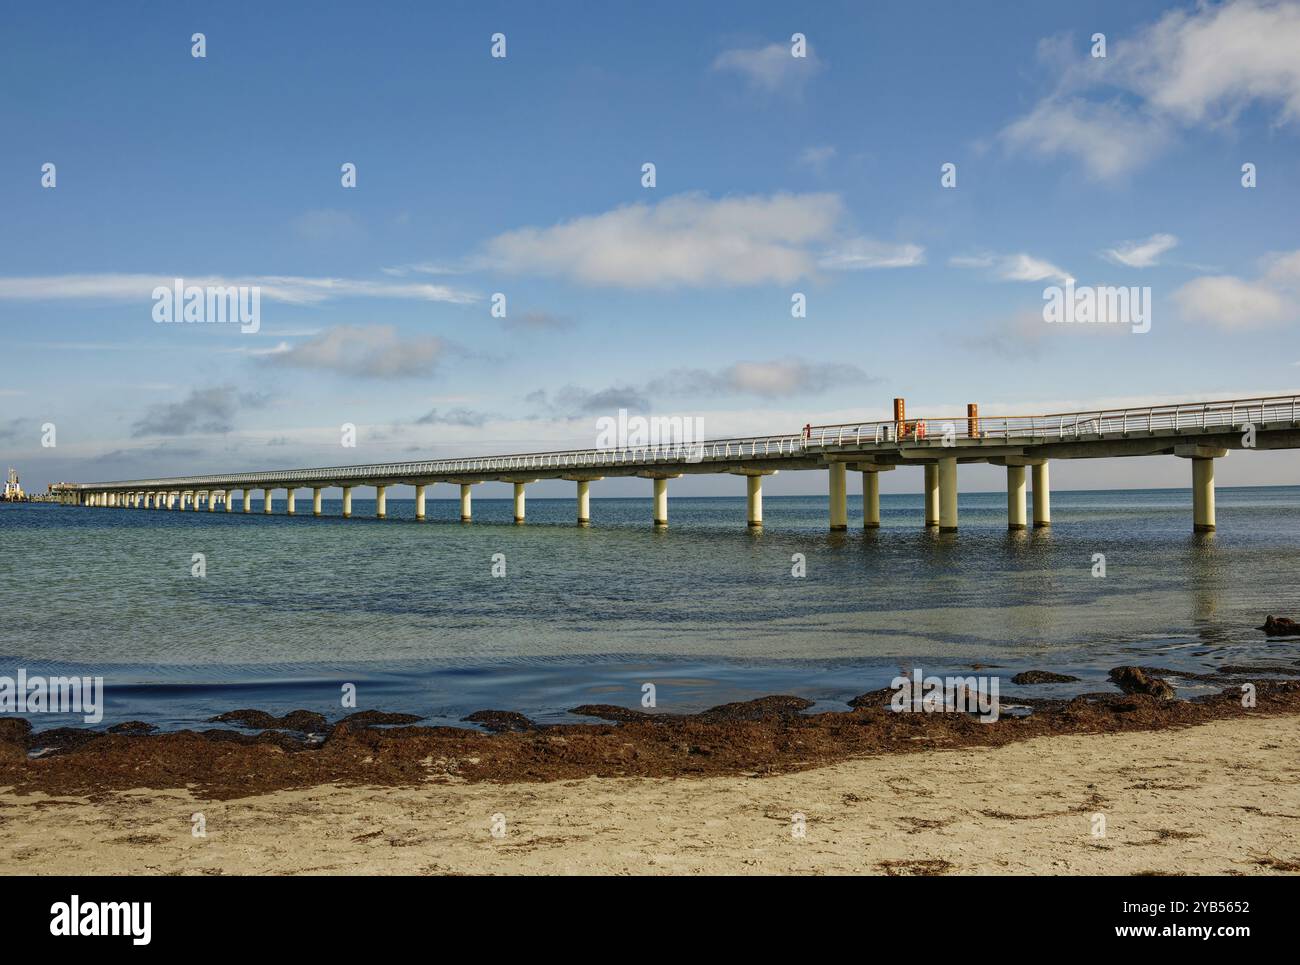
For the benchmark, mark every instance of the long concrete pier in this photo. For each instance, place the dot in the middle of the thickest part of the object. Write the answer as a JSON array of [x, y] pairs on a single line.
[[1200, 432]]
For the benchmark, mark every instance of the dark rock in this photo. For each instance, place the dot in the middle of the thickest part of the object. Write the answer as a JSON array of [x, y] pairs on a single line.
[[764, 708], [61, 738], [132, 727], [501, 721], [1280, 627], [365, 718], [299, 720], [14, 730], [1042, 677], [622, 715], [1135, 680]]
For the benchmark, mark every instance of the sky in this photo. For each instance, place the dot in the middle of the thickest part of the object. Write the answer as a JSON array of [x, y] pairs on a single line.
[[775, 176]]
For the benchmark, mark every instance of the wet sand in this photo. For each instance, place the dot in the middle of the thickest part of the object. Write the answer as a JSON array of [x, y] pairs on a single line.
[[1218, 798]]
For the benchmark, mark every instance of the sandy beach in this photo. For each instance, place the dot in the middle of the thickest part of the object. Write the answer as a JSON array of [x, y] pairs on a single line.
[[1217, 798]]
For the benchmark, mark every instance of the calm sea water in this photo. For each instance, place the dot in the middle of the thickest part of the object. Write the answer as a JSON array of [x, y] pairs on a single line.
[[291, 608]]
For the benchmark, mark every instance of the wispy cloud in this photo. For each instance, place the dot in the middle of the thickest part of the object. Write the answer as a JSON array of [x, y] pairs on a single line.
[[1140, 254], [817, 157], [859, 253], [1233, 303], [202, 411], [693, 240], [375, 352], [291, 289], [1204, 66], [453, 417], [1015, 267], [770, 68]]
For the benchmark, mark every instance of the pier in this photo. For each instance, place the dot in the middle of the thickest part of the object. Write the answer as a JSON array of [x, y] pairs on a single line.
[[1200, 432]]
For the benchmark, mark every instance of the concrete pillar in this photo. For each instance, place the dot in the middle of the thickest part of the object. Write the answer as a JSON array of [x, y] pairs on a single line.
[[754, 507], [266, 500], [466, 503], [1203, 495], [315, 501], [248, 500], [948, 495], [661, 502], [419, 502], [381, 502], [871, 500], [347, 502], [839, 496], [1042, 496], [931, 494], [212, 501], [584, 502], [225, 499], [1016, 518], [289, 500], [519, 502]]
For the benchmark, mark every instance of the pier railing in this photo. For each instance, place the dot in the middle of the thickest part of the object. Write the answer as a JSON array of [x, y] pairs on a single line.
[[1094, 424]]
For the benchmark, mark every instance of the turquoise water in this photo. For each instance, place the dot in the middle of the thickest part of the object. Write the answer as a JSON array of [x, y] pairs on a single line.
[[293, 607]]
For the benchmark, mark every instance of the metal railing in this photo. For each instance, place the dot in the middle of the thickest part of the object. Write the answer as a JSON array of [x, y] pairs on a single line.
[[889, 434]]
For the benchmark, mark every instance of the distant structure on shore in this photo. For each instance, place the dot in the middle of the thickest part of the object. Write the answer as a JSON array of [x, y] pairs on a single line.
[[13, 490]]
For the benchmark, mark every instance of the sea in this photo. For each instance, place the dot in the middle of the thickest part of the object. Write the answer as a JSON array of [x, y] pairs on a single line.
[[189, 614]]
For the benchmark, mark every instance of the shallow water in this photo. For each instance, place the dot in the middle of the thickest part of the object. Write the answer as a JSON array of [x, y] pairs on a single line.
[[708, 611]]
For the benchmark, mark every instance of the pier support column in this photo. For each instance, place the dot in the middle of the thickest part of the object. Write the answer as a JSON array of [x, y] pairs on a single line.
[[381, 502], [347, 502], [1016, 518], [1203, 495], [248, 500], [660, 501], [931, 494], [1042, 496], [948, 495], [754, 501], [266, 500], [419, 502], [466, 503], [871, 493], [1202, 483], [519, 502], [212, 501], [839, 496], [289, 501], [584, 502], [225, 498], [315, 501]]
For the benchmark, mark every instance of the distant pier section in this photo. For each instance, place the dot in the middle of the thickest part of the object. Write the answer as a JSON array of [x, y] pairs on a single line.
[[1200, 432]]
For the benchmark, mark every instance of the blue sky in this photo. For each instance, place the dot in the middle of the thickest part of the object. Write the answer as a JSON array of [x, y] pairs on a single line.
[[523, 176]]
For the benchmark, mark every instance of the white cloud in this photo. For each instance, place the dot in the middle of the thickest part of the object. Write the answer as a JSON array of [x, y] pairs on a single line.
[[290, 289], [1232, 303], [1017, 267], [817, 157], [1140, 254], [686, 239], [1107, 137], [1190, 67], [771, 68], [859, 253], [374, 352]]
